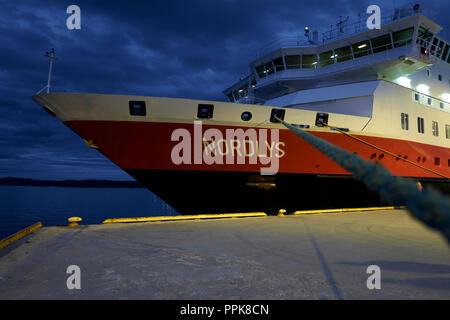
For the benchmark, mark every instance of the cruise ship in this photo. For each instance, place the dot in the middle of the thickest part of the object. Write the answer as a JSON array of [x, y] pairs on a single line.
[[383, 94]]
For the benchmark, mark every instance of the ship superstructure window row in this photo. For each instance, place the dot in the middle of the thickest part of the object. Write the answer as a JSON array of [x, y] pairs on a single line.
[[323, 59]]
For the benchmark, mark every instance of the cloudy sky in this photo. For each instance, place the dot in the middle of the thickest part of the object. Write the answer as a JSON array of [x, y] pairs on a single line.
[[172, 48]]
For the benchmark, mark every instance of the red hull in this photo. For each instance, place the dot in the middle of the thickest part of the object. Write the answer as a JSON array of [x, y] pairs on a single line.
[[148, 146]]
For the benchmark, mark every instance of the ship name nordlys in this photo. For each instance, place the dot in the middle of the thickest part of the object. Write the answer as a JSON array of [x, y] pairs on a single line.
[[227, 309], [236, 146]]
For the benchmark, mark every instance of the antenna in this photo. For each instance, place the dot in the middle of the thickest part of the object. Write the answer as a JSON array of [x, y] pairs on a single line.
[[50, 56]]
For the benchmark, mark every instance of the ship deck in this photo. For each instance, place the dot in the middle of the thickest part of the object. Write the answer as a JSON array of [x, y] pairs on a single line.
[[305, 256]]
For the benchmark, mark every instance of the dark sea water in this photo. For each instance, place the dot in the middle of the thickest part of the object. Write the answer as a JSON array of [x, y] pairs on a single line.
[[21, 207]]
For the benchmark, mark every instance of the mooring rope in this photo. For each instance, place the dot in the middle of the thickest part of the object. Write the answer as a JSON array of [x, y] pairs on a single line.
[[427, 205], [385, 151]]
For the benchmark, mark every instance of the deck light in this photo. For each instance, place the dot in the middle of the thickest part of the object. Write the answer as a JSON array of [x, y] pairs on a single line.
[[362, 46], [423, 88], [446, 97], [404, 81]]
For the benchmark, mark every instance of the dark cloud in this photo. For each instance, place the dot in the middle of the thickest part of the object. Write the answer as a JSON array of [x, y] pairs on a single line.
[[190, 49]]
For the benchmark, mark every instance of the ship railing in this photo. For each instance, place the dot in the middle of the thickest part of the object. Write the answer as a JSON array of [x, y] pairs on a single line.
[[341, 30]]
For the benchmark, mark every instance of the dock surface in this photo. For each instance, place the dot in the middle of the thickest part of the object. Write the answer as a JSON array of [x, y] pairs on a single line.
[[309, 256]]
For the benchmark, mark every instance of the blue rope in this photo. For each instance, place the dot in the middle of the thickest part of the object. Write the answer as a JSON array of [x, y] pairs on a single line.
[[428, 206]]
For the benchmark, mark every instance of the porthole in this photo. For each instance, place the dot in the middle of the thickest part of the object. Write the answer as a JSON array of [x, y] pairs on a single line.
[[246, 116]]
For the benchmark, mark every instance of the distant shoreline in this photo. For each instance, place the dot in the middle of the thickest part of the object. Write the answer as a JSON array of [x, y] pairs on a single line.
[[88, 183]]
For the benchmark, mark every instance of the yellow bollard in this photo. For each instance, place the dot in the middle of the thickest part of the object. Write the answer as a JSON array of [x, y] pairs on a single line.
[[281, 213], [73, 221]]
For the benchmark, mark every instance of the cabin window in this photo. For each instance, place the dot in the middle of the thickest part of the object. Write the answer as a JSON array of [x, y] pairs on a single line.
[[246, 116], [137, 108], [437, 161], [343, 54], [447, 131], [440, 77], [423, 39], [292, 62], [428, 73], [403, 37], [439, 49], [321, 119], [278, 63], [278, 113], [441, 105], [326, 58], [420, 125], [430, 101], [361, 49], [435, 128], [381, 43], [260, 71], [433, 46], [405, 121], [205, 111], [269, 68], [416, 97], [309, 61], [444, 54]]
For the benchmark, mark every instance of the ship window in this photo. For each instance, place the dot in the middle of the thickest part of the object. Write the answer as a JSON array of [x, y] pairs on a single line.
[[444, 55], [361, 49], [447, 131], [440, 77], [423, 38], [343, 54], [309, 61], [437, 161], [278, 62], [440, 48], [405, 121], [420, 125], [428, 73], [433, 46], [434, 128], [321, 119], [260, 71], [246, 116], [430, 101], [403, 37], [137, 108], [292, 62], [279, 113], [205, 111], [326, 58], [416, 97], [269, 67], [441, 105], [381, 43]]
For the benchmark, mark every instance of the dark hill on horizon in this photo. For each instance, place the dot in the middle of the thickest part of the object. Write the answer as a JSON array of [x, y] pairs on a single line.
[[89, 183]]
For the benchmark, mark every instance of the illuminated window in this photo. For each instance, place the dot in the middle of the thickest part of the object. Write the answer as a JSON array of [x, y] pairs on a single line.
[[343, 54], [361, 49], [326, 58], [292, 61], [405, 121], [309, 61], [435, 128]]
